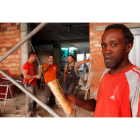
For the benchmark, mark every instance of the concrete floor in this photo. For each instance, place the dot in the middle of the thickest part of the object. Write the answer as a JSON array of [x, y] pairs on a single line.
[[11, 111]]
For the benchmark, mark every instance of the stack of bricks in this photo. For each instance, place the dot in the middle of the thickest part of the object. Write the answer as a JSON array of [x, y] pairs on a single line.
[[97, 65], [9, 37]]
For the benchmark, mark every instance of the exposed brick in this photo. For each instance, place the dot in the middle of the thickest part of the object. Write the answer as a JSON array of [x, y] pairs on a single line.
[[11, 57], [97, 62], [7, 45], [19, 52], [2, 53], [98, 53], [95, 57], [95, 49], [3, 25], [7, 65], [102, 65], [7, 36], [15, 35], [17, 56], [12, 28], [90, 25], [1, 37], [15, 32], [97, 37], [18, 26], [97, 45], [3, 49], [99, 69], [5, 33], [101, 57], [7, 24], [13, 24], [17, 65], [13, 61], [3, 29]]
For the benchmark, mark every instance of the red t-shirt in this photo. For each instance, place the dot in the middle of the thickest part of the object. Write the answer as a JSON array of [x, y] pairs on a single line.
[[118, 94], [31, 71]]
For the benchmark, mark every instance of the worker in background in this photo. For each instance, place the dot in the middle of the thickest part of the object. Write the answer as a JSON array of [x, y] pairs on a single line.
[[30, 83], [118, 93], [51, 73], [71, 73]]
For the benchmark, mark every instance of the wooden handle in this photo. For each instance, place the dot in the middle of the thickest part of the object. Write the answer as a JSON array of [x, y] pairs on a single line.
[[57, 91], [40, 69]]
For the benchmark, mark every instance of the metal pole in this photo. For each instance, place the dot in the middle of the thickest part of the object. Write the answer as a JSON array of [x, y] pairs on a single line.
[[47, 108], [34, 51], [32, 33]]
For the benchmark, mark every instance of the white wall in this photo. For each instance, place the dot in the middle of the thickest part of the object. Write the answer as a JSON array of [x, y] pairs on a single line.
[[134, 55]]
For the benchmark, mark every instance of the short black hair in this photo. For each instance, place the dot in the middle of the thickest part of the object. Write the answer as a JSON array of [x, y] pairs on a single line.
[[72, 56], [30, 54], [128, 36], [51, 55]]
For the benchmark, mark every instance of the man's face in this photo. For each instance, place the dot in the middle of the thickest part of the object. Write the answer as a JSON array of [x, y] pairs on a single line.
[[70, 59], [113, 48], [50, 59], [33, 57]]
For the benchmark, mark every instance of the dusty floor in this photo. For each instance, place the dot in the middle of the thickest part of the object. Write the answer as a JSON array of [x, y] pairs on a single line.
[[11, 111]]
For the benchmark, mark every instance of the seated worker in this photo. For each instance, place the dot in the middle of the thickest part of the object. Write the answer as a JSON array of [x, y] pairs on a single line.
[[118, 91], [51, 73], [71, 73]]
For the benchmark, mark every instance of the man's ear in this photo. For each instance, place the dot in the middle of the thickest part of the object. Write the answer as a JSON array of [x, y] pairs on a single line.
[[129, 47]]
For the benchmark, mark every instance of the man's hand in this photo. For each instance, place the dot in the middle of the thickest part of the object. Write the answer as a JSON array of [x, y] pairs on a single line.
[[57, 102], [70, 98], [45, 68], [38, 76]]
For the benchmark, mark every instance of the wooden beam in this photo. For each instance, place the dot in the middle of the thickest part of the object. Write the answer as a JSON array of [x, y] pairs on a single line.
[[129, 25]]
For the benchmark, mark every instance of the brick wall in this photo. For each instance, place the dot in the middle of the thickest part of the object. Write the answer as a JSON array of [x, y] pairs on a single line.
[[9, 37], [97, 63]]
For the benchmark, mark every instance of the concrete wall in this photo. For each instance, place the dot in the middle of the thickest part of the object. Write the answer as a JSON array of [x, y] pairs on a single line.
[[25, 48], [57, 56]]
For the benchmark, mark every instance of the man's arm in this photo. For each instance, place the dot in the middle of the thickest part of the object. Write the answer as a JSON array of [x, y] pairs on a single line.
[[26, 75], [85, 61], [64, 75], [65, 69], [45, 68], [85, 104]]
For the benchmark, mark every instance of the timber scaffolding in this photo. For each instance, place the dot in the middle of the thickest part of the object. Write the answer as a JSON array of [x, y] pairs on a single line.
[[32, 33]]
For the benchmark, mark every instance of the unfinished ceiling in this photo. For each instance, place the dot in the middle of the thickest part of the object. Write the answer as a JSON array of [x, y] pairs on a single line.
[[61, 33]]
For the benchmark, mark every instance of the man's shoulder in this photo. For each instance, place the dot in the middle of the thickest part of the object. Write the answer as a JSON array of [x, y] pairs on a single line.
[[133, 73], [66, 65], [54, 65], [77, 63], [45, 64], [25, 65]]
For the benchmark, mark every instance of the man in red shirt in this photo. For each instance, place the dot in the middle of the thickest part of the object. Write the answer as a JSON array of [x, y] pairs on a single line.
[[51, 73], [30, 83], [118, 91]]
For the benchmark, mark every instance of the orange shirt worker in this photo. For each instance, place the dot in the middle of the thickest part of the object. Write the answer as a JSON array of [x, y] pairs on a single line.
[[50, 74]]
